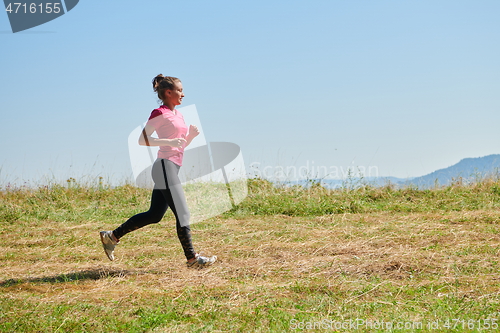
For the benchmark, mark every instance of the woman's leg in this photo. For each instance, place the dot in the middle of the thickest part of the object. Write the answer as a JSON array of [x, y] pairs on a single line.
[[154, 215], [174, 196], [168, 192]]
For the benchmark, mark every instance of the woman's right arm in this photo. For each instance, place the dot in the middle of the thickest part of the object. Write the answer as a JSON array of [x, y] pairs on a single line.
[[145, 139]]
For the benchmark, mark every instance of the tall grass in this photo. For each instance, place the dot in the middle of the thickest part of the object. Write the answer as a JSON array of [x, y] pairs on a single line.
[[266, 199], [74, 201], [289, 257]]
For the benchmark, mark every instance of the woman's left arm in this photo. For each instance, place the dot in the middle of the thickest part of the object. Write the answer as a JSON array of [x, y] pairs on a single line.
[[193, 133]]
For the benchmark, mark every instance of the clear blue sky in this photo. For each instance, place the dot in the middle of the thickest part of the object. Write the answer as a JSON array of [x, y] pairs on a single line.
[[406, 86]]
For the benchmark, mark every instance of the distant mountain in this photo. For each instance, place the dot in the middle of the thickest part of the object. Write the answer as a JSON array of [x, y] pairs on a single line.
[[468, 169]]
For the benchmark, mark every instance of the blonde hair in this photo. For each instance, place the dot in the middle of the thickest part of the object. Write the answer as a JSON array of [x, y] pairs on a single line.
[[162, 83]]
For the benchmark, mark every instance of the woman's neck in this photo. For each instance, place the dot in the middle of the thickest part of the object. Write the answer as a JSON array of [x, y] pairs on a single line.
[[170, 106]]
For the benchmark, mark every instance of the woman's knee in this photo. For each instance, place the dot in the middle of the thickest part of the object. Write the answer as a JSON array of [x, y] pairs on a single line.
[[184, 219], [155, 217]]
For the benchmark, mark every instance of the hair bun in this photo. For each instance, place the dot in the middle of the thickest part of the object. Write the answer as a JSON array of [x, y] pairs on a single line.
[[162, 83], [156, 81]]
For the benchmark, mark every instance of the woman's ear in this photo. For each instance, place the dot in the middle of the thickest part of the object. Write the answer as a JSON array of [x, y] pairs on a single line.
[[167, 93]]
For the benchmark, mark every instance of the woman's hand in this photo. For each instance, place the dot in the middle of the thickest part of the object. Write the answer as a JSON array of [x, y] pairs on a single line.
[[193, 131], [145, 139], [177, 143]]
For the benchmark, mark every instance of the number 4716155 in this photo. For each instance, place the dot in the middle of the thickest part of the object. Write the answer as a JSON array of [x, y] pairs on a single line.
[[33, 8]]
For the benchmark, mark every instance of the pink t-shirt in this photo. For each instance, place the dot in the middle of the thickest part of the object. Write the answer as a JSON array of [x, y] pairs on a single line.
[[169, 126]]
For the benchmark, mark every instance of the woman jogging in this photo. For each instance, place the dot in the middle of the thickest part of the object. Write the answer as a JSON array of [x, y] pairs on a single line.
[[173, 137]]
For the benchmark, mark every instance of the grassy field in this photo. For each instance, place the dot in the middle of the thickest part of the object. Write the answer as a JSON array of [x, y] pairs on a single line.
[[290, 259]]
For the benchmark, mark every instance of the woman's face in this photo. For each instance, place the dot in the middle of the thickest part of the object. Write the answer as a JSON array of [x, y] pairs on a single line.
[[176, 95]]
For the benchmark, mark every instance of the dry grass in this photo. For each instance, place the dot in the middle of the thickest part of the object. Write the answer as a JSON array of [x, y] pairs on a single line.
[[274, 269]]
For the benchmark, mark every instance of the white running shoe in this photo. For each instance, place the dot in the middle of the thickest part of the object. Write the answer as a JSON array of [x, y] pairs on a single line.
[[201, 262], [108, 243]]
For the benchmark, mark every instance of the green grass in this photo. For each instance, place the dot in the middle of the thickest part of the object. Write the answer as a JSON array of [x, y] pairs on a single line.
[[289, 259], [265, 199]]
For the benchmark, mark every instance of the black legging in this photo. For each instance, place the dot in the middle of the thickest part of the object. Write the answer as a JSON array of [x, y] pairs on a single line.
[[167, 192]]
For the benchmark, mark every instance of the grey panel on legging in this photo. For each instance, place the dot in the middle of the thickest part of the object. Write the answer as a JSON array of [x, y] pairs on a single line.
[[167, 177], [168, 192]]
